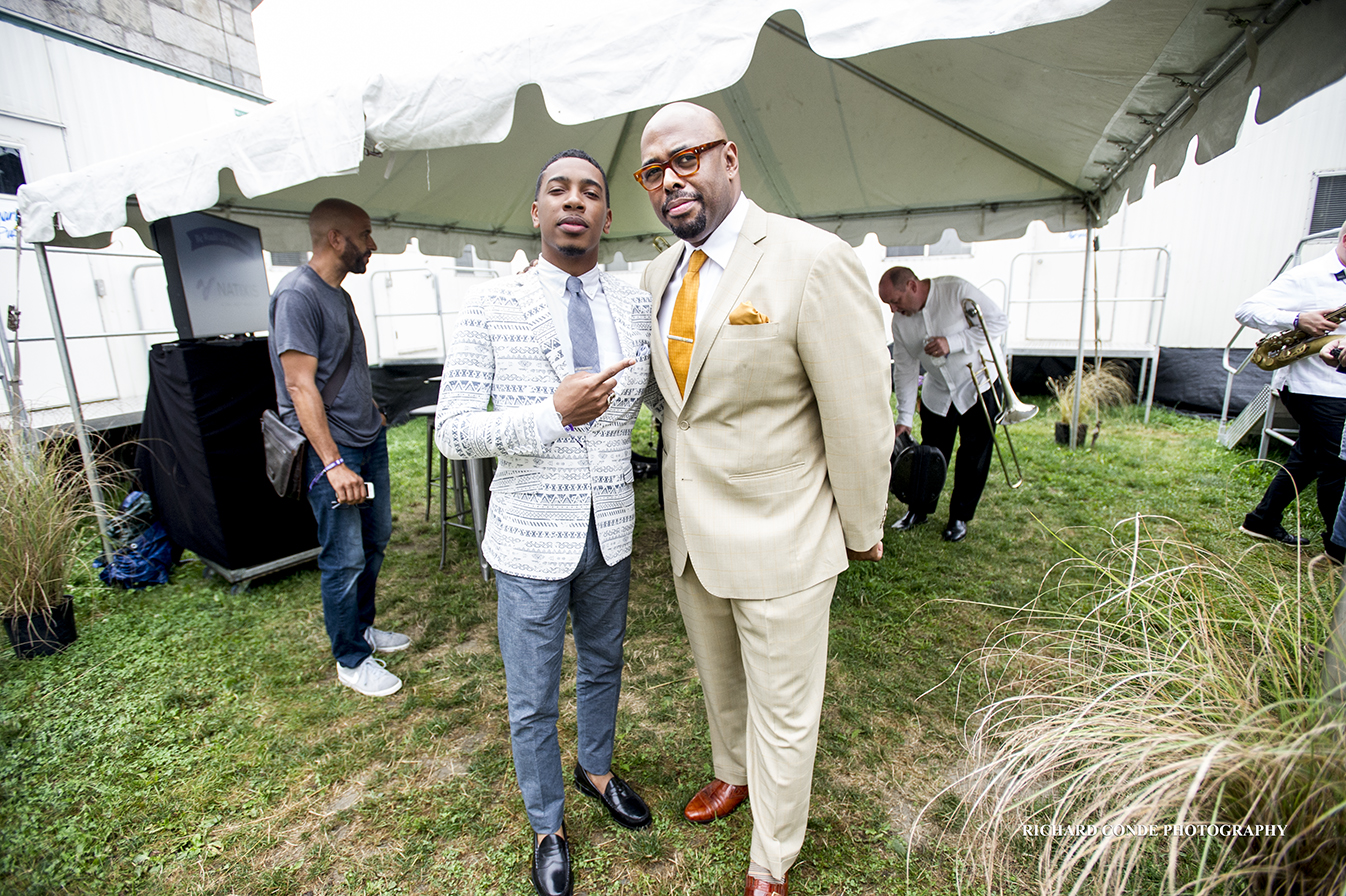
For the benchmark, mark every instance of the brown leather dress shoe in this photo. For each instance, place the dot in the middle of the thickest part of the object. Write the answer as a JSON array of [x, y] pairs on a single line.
[[758, 887], [716, 800]]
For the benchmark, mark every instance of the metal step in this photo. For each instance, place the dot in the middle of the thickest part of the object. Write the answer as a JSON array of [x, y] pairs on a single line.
[[1253, 415]]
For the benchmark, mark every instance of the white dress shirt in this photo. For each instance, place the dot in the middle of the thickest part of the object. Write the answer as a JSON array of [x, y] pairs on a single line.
[[554, 281], [1312, 286], [718, 247], [947, 380]]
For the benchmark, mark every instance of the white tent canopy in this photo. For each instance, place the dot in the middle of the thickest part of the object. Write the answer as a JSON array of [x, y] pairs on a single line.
[[900, 118]]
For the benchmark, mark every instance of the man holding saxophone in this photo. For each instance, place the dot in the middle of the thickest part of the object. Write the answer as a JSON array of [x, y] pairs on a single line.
[[930, 327], [1313, 393]]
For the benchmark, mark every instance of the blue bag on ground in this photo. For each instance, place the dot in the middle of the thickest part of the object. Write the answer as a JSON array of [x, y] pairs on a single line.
[[145, 561], [144, 552]]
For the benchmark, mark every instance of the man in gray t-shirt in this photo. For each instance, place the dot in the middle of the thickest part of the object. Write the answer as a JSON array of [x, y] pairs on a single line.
[[313, 328]]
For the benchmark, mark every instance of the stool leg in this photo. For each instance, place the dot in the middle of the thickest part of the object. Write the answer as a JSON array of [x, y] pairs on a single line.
[[443, 509], [429, 460]]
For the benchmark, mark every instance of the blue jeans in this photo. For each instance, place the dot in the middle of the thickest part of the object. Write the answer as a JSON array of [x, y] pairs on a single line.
[[352, 538], [531, 620]]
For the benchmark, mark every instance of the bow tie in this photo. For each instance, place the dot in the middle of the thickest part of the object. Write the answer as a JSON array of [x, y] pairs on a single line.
[[1340, 275]]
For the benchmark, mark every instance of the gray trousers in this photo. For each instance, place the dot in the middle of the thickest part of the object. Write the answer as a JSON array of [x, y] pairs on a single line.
[[531, 621]]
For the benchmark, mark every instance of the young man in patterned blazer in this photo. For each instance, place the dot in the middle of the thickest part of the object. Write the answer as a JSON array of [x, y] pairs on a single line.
[[561, 354]]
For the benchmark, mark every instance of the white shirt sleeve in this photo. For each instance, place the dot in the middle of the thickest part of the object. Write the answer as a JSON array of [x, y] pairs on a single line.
[[906, 374], [1273, 308], [548, 421]]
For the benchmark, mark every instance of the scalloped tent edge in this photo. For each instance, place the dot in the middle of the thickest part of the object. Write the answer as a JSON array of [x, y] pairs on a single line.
[[846, 143]]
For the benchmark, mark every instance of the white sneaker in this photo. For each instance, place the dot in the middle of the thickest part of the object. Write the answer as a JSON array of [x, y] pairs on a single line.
[[369, 678], [386, 642]]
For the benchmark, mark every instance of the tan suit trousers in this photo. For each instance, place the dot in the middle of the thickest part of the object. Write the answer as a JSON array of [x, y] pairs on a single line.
[[763, 667]]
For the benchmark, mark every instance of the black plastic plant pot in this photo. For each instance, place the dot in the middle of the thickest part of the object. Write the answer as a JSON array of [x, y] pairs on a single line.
[[1063, 434], [43, 634]]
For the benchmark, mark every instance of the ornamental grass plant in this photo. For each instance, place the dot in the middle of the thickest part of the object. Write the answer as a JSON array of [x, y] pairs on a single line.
[[1104, 386], [43, 505], [1154, 723]]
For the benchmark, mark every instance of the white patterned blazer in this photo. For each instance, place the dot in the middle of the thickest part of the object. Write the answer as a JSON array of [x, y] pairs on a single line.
[[506, 354]]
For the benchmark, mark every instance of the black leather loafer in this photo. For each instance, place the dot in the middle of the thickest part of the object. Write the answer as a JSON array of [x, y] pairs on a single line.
[[551, 867], [910, 521], [955, 531], [623, 804]]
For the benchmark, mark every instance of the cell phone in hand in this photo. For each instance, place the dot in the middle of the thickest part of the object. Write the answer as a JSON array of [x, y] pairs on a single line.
[[369, 494]]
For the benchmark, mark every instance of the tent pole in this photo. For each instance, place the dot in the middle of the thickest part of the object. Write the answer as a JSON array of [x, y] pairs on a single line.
[[1084, 316], [76, 414], [18, 413]]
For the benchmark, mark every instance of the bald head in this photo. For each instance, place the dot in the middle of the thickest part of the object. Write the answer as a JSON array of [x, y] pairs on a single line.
[[686, 116], [333, 214], [899, 277], [691, 205], [902, 291], [342, 239]]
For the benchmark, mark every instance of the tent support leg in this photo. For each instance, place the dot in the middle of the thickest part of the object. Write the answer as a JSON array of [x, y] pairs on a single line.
[[76, 413], [18, 412], [1084, 316]]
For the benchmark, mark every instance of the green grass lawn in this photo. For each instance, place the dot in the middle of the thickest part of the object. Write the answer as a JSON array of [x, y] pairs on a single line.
[[196, 741]]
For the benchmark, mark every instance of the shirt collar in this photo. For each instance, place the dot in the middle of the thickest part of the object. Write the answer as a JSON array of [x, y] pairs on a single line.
[[720, 244], [554, 279]]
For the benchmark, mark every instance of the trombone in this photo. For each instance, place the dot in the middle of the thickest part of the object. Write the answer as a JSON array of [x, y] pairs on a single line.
[[1013, 411]]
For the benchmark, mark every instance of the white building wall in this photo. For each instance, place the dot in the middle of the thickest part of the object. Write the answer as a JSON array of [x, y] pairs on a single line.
[[64, 107], [1232, 222], [1228, 224]]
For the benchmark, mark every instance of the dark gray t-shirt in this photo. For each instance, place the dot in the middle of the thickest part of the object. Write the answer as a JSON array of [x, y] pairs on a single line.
[[309, 316]]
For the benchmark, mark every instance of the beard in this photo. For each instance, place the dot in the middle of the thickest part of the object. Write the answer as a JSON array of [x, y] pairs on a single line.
[[571, 251], [353, 259], [686, 228]]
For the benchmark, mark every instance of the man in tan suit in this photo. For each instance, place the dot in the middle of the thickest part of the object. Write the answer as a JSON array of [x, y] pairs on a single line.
[[771, 358]]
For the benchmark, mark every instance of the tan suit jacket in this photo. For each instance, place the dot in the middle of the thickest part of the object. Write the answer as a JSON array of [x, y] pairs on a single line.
[[776, 458]]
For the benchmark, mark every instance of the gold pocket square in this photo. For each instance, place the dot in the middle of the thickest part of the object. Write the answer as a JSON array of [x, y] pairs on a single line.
[[746, 314]]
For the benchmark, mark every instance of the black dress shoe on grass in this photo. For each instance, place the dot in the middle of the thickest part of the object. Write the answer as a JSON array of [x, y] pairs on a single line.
[[551, 867], [1273, 533], [623, 804], [910, 521], [955, 531]]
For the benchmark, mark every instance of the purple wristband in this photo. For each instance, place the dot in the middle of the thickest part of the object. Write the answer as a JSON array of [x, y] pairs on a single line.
[[332, 466]]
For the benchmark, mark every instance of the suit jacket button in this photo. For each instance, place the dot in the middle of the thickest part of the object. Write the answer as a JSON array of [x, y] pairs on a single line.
[[683, 424]]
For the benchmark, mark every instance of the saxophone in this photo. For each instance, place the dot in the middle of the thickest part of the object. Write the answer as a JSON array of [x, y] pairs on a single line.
[[1288, 346]]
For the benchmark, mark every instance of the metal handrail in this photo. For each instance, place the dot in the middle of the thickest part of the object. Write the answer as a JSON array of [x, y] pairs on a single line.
[[1102, 299], [433, 273], [1154, 326], [70, 336], [96, 253], [1231, 372]]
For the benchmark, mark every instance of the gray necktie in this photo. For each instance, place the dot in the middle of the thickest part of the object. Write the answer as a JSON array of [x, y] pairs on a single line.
[[583, 341]]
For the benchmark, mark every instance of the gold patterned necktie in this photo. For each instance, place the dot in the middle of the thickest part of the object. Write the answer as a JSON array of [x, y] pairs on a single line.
[[682, 325]]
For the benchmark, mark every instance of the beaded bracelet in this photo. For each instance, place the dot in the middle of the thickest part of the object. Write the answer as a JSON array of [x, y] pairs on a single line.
[[332, 466]]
